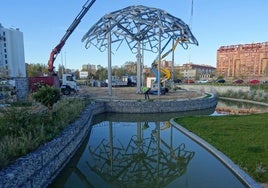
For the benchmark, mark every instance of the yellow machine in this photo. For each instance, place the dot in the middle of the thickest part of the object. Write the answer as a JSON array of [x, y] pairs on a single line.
[[166, 73]]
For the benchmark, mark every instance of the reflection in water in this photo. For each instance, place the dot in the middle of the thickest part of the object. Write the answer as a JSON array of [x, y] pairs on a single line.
[[143, 150], [145, 160]]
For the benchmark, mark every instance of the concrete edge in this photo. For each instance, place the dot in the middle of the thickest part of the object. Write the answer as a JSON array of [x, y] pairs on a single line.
[[249, 181]]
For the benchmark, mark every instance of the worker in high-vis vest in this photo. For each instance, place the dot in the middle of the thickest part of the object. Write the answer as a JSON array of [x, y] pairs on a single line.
[[146, 91]]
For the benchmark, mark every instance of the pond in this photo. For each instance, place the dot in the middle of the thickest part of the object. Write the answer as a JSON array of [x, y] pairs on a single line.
[[234, 107], [143, 150]]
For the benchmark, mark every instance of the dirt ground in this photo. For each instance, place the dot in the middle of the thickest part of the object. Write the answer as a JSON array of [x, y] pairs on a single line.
[[125, 93]]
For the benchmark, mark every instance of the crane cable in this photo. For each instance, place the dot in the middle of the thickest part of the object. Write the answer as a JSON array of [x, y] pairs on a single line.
[[191, 16], [190, 25]]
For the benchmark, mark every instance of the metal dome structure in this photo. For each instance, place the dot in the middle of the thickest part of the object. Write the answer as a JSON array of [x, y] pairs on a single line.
[[138, 25]]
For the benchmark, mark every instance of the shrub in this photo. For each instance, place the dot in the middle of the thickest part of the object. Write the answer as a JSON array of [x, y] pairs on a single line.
[[256, 95], [22, 130], [47, 95]]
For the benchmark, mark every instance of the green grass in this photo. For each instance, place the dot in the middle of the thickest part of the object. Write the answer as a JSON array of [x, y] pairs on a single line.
[[244, 139]]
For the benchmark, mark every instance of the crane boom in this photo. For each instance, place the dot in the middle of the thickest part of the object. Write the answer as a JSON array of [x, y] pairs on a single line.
[[69, 31]]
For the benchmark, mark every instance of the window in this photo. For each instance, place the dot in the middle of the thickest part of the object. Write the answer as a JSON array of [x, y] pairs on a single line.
[[69, 78]]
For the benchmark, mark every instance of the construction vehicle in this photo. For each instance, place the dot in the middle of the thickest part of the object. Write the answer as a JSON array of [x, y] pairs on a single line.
[[69, 31], [124, 81], [68, 83], [166, 74]]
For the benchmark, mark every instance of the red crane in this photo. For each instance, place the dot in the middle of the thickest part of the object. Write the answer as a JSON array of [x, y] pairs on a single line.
[[69, 31]]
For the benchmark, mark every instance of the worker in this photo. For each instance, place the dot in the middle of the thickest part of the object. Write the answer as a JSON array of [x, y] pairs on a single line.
[[146, 91]]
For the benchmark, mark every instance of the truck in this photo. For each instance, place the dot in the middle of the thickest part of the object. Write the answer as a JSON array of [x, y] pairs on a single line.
[[125, 81], [67, 84]]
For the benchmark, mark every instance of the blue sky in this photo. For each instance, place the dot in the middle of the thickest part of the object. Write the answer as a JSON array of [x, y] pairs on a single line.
[[214, 23]]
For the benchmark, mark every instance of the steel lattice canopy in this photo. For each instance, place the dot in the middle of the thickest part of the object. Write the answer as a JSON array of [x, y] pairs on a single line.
[[135, 24]]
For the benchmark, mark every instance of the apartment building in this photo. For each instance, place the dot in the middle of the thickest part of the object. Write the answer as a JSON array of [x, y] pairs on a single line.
[[12, 60], [247, 61], [196, 71]]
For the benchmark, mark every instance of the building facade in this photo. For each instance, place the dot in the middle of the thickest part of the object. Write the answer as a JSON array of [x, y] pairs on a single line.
[[186, 71], [90, 69], [248, 61], [12, 60], [83, 74], [196, 72]]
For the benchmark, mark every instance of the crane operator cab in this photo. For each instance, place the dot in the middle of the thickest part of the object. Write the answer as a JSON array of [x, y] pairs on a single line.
[[68, 84]]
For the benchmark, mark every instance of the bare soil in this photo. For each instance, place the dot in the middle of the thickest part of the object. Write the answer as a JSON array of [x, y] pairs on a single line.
[[128, 93]]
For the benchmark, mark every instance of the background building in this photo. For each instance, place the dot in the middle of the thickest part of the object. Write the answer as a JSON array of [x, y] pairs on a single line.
[[246, 61], [186, 71], [196, 72], [83, 74], [89, 67], [12, 60]]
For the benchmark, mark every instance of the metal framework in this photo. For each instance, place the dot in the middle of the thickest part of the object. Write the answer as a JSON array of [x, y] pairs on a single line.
[[135, 24], [142, 28]]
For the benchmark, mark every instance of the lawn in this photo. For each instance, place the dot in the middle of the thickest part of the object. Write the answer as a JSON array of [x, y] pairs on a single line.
[[244, 139]]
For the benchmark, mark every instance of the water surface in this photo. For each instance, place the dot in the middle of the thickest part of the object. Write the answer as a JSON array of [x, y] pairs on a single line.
[[143, 150]]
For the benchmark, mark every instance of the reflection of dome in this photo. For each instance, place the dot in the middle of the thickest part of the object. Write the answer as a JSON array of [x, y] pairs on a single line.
[[142, 162]]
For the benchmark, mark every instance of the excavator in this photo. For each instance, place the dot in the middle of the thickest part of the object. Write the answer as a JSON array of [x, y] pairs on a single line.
[[68, 83]]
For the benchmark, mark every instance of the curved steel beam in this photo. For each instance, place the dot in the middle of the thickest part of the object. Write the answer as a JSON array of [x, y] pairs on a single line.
[[150, 21]]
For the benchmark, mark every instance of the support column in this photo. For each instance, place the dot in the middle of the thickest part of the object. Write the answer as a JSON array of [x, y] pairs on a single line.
[[138, 87], [159, 62], [138, 70], [142, 67], [172, 66], [109, 60]]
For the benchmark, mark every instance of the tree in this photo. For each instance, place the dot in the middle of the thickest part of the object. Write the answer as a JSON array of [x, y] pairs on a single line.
[[130, 67], [102, 73], [76, 74], [119, 72], [36, 70]]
